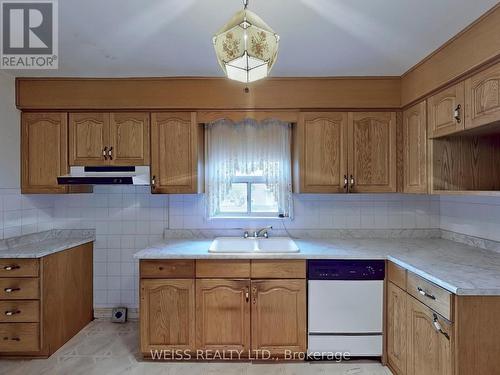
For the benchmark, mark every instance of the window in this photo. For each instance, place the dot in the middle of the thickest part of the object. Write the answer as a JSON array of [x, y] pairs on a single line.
[[248, 169]]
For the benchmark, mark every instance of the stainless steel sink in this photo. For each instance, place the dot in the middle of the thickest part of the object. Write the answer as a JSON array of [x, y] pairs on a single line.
[[253, 245]]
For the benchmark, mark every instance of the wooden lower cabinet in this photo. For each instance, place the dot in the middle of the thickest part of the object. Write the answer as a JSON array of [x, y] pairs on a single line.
[[167, 311], [279, 315], [429, 350], [226, 315], [396, 328], [45, 302], [223, 314]]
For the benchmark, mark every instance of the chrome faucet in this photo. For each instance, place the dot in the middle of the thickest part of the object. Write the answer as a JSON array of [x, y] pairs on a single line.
[[262, 232]]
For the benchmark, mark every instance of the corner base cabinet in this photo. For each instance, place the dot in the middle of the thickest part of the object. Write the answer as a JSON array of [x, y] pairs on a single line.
[[44, 302], [431, 331], [240, 306]]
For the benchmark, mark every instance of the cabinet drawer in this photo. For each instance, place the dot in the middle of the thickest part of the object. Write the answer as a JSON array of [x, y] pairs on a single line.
[[396, 275], [19, 288], [223, 269], [278, 269], [18, 267], [435, 297], [19, 311], [19, 337], [162, 269]]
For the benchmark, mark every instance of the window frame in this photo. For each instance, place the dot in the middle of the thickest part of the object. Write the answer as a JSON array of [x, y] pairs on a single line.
[[249, 181]]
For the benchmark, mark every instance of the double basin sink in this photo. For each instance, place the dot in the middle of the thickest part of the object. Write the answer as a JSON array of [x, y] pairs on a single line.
[[253, 245]]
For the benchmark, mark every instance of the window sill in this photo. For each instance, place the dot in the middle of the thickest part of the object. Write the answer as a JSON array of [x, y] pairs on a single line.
[[272, 218]]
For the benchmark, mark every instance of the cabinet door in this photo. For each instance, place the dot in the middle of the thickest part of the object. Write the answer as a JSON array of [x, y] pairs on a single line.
[[176, 151], [445, 111], [43, 152], [279, 315], [372, 152], [129, 138], [396, 328], [88, 137], [321, 153], [429, 351], [415, 149], [167, 313], [223, 314], [482, 98]]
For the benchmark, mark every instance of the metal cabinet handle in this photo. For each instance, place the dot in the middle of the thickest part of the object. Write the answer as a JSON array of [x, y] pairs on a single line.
[[10, 313], [153, 182], [12, 338], [438, 328], [10, 290], [352, 181], [457, 114], [346, 182], [110, 153], [425, 294], [254, 295], [247, 295], [12, 267], [105, 153]]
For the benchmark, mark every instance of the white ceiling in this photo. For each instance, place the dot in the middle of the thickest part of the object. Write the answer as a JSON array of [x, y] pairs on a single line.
[[117, 38]]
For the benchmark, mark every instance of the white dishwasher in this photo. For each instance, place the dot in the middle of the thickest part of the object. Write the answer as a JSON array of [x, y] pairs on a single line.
[[345, 307]]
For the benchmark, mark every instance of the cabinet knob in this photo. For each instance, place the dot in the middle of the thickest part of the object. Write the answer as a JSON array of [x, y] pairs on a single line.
[[346, 182], [352, 181], [247, 295], [153, 182], [105, 153], [110, 153]]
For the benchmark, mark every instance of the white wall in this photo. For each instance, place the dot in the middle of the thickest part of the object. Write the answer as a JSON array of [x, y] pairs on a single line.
[[475, 216], [18, 214], [9, 134]]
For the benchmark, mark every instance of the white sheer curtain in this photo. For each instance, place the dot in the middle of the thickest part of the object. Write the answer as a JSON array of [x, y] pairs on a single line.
[[248, 148]]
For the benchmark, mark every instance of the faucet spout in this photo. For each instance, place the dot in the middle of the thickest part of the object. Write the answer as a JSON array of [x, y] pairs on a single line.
[[264, 232]]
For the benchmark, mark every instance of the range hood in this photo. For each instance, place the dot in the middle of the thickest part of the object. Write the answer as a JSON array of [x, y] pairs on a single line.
[[106, 176]]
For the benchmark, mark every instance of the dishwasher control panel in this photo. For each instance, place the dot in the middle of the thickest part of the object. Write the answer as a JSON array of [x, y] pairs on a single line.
[[343, 269]]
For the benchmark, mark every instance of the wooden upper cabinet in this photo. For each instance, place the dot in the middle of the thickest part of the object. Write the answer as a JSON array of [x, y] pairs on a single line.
[[167, 311], [445, 111], [482, 98], [396, 328], [429, 351], [279, 315], [176, 153], [129, 138], [372, 152], [415, 149], [88, 136], [43, 152], [320, 157], [223, 314], [100, 138]]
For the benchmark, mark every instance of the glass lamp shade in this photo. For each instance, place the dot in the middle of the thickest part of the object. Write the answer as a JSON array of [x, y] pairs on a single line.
[[246, 47]]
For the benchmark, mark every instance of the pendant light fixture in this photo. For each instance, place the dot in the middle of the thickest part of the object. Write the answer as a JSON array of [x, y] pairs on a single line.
[[246, 47]]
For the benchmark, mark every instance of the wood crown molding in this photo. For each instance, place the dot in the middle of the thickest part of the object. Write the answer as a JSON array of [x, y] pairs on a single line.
[[473, 49]]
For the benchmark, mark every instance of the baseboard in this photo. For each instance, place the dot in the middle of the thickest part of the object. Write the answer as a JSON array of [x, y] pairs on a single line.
[[105, 313]]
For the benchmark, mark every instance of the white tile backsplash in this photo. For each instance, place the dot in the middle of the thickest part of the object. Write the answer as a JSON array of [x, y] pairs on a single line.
[[474, 216]]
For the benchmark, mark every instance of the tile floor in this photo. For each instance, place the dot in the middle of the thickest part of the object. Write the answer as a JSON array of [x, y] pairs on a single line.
[[104, 348]]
